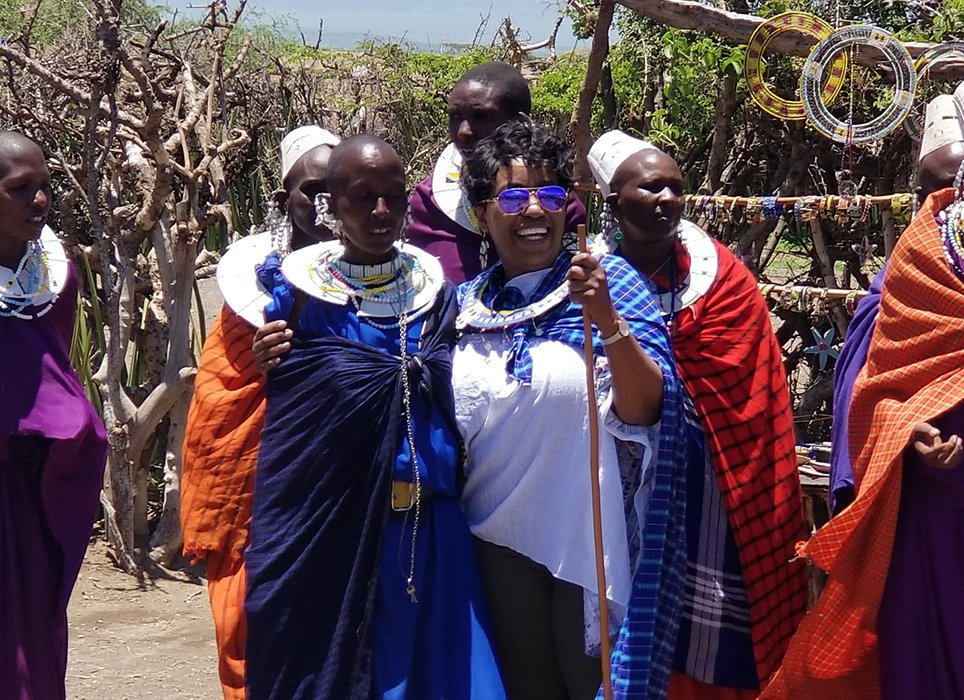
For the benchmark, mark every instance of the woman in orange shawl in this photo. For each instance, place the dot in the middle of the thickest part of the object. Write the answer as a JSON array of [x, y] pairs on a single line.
[[906, 510], [228, 408]]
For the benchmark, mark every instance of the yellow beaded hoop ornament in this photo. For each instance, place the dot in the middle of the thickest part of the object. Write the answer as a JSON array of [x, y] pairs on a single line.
[[753, 71], [822, 58]]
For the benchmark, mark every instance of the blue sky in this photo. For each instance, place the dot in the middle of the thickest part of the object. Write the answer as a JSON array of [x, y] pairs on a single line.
[[423, 22]]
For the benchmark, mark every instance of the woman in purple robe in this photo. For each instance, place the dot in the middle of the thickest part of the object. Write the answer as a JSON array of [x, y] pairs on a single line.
[[52, 443]]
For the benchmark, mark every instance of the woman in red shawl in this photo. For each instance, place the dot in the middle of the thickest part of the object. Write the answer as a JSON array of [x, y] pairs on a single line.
[[743, 597]]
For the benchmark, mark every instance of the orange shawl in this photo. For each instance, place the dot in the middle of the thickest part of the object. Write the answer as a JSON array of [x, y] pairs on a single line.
[[914, 372], [221, 444]]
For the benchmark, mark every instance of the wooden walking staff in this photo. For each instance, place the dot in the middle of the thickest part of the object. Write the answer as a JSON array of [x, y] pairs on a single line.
[[607, 683]]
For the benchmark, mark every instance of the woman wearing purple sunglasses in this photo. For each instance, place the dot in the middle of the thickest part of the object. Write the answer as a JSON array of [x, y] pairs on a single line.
[[521, 402]]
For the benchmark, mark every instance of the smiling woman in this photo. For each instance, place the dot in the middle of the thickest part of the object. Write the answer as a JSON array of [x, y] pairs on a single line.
[[521, 402]]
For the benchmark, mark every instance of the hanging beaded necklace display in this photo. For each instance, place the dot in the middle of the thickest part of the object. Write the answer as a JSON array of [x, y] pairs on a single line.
[[28, 292]]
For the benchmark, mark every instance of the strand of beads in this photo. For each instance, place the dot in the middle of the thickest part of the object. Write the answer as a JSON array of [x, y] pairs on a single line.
[[403, 320], [951, 222], [821, 61]]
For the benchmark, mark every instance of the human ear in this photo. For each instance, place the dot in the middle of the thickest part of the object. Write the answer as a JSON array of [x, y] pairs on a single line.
[[479, 211]]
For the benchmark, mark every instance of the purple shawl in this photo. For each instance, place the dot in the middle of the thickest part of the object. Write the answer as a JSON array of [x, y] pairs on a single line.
[[853, 356], [53, 504]]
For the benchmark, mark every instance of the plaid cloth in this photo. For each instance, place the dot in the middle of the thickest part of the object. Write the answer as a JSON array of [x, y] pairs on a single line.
[[643, 655], [914, 371], [732, 368], [221, 442]]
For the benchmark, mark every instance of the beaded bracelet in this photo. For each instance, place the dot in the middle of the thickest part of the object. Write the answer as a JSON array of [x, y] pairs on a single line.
[[772, 209]]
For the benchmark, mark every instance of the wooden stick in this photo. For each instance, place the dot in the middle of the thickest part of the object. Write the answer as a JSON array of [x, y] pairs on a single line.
[[607, 683]]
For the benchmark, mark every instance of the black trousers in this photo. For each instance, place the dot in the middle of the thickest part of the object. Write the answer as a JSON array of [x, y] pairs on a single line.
[[538, 625]]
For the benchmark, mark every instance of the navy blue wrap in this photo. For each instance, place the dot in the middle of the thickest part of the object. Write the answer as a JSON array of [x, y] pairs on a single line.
[[322, 492]]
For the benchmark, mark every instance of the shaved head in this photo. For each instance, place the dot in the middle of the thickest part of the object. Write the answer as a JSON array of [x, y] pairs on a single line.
[[346, 154], [14, 146], [645, 160]]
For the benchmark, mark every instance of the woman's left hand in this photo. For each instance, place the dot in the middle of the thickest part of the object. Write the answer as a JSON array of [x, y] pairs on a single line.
[[588, 286]]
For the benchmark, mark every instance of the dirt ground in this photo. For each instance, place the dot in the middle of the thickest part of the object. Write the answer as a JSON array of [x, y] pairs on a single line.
[[143, 640]]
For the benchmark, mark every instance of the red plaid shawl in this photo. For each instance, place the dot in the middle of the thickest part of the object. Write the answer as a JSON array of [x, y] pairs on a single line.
[[732, 367], [221, 442], [914, 371]]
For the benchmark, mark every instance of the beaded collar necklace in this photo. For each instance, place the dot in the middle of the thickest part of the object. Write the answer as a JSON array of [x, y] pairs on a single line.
[[406, 285], [477, 314], [32, 289]]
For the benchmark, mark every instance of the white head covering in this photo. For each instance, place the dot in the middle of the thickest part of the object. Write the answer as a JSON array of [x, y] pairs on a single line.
[[609, 152], [942, 122], [301, 140]]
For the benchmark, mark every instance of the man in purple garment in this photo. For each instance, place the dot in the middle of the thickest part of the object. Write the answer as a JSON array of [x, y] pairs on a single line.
[[52, 443], [941, 153], [485, 97]]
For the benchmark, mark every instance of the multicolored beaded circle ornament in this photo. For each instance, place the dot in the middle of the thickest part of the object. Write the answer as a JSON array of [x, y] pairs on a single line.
[[823, 58], [912, 125], [753, 68]]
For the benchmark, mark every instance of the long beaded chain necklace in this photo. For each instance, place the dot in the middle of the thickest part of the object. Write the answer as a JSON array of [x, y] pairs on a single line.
[[410, 437], [30, 282]]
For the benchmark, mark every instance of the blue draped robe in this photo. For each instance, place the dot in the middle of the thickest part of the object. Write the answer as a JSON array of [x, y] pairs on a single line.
[[328, 613]]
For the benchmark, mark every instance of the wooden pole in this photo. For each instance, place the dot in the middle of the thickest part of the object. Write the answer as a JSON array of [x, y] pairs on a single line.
[[606, 651]]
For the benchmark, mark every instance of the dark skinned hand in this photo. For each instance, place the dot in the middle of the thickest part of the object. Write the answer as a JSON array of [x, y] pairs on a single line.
[[934, 450], [271, 342]]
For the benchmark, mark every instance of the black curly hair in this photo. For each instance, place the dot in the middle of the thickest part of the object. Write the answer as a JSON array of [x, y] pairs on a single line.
[[524, 139]]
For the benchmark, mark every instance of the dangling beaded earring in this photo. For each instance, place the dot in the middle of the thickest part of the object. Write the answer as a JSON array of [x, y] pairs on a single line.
[[610, 229], [484, 249], [325, 217], [280, 227]]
